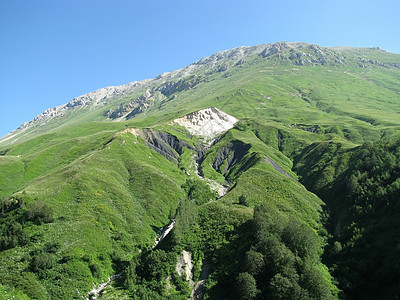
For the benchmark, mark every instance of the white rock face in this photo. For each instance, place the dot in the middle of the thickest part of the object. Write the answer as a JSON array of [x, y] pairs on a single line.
[[207, 123], [184, 265]]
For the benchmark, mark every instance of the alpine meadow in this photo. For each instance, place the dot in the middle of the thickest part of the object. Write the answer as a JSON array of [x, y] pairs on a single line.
[[263, 172]]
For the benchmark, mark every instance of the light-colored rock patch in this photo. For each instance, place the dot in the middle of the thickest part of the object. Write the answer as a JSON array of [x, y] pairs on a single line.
[[134, 131], [207, 123], [184, 266]]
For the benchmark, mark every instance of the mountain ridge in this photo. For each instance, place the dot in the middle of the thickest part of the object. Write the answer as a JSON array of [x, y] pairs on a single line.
[[235, 56]]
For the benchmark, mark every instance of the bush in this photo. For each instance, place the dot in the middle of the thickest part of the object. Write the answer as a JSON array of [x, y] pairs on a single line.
[[39, 213], [199, 191], [12, 235], [42, 261], [129, 276], [243, 200]]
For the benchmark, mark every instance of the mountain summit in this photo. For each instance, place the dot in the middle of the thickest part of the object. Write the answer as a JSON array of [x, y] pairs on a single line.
[[257, 172]]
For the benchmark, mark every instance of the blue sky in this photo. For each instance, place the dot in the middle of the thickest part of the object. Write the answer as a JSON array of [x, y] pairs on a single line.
[[52, 51]]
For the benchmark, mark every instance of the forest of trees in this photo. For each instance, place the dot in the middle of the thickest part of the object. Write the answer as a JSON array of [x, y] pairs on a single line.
[[364, 250], [260, 257]]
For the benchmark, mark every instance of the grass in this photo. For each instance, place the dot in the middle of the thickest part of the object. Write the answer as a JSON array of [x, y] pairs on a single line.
[[110, 193]]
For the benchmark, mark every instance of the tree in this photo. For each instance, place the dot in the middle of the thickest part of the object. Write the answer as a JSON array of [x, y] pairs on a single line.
[[129, 276], [300, 239], [285, 287], [246, 286], [254, 262], [157, 264], [313, 281]]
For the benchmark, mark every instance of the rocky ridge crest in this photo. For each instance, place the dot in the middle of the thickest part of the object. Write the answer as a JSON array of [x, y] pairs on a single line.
[[167, 84]]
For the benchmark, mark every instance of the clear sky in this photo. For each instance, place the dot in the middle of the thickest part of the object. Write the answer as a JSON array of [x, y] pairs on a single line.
[[54, 50]]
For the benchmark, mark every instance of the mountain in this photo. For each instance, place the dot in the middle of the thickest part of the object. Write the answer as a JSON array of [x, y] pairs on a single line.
[[259, 172]]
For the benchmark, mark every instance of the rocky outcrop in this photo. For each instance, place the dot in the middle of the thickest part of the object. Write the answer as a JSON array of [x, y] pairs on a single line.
[[279, 137], [207, 123], [274, 49], [147, 99], [184, 266], [309, 128], [170, 88], [164, 143], [230, 155], [163, 232], [131, 109], [97, 98], [276, 166], [198, 289], [95, 292]]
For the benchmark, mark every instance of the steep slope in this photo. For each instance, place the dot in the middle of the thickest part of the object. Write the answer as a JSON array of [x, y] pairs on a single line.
[[87, 186]]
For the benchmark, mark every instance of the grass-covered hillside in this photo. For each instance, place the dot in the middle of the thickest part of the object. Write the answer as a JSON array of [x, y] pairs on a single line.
[[299, 200]]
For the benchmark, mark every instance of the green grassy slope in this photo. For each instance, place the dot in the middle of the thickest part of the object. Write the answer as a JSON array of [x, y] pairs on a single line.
[[105, 202], [81, 200]]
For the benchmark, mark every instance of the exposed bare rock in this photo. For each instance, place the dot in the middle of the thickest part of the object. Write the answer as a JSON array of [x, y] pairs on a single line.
[[198, 290], [95, 292], [170, 88], [165, 144], [207, 123], [276, 166], [274, 49], [163, 232], [131, 109], [230, 155], [93, 99], [184, 266]]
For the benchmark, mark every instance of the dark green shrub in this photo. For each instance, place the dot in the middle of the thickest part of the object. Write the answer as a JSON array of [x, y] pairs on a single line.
[[199, 191], [243, 200], [12, 235], [39, 212], [42, 261], [129, 277]]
